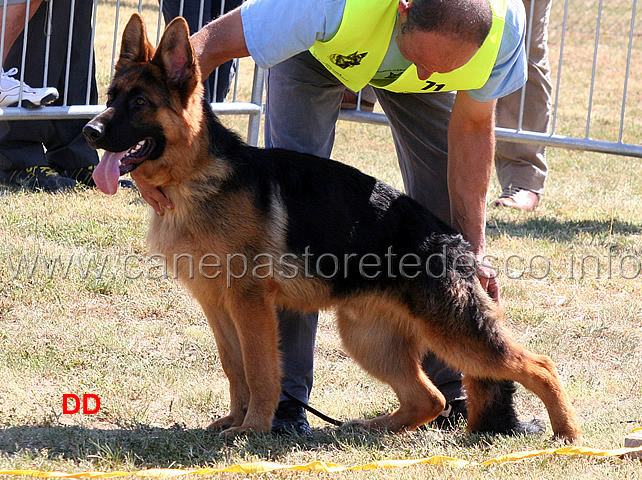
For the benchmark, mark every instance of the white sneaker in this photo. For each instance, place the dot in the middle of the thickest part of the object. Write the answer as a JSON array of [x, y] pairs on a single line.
[[31, 97]]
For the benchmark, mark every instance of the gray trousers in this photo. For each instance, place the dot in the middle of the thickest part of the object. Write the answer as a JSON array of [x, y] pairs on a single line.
[[302, 108], [518, 164]]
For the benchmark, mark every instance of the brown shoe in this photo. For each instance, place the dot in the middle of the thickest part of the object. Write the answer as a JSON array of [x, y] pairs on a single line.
[[516, 197]]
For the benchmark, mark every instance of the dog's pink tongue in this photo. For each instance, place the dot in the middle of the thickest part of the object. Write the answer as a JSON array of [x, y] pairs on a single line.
[[107, 172]]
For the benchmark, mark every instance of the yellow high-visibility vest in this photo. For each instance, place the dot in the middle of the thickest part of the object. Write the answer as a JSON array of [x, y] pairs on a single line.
[[356, 51]]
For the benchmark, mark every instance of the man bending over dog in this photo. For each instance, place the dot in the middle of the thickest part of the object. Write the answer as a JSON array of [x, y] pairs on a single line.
[[438, 67]]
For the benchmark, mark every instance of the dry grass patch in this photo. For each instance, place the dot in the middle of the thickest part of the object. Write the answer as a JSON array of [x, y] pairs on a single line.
[[97, 315]]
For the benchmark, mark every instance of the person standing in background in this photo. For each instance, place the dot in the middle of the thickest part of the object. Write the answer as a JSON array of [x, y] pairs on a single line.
[[521, 168], [52, 155]]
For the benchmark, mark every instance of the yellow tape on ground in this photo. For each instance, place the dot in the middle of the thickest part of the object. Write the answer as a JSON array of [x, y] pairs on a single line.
[[262, 467]]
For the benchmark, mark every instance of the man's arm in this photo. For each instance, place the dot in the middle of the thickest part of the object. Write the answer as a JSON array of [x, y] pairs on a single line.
[[471, 150], [219, 41]]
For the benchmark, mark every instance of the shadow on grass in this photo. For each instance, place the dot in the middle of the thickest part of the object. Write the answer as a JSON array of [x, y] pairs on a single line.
[[556, 230], [145, 447]]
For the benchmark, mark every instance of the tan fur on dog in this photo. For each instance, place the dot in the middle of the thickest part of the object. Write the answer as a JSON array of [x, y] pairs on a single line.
[[250, 205]]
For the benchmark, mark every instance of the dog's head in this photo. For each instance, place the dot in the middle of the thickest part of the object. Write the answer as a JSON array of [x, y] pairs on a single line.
[[150, 107]]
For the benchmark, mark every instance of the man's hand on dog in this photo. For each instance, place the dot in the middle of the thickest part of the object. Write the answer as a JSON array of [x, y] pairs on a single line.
[[488, 278], [152, 195]]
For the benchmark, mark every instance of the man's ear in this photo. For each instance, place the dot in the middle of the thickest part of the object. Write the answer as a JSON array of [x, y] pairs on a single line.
[[404, 5], [175, 55], [134, 48]]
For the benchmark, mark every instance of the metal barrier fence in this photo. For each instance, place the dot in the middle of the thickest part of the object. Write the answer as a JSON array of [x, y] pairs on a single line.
[[107, 23], [597, 104]]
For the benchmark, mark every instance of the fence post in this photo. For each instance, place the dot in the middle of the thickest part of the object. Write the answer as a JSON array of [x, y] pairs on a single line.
[[254, 124]]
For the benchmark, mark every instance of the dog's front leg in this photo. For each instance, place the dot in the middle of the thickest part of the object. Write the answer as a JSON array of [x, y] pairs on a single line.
[[229, 350], [256, 324]]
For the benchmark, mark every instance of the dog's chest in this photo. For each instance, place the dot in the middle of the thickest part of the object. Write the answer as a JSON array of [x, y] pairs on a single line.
[[194, 247]]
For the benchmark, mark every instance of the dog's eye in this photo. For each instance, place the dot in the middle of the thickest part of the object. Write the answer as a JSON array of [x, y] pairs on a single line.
[[140, 101]]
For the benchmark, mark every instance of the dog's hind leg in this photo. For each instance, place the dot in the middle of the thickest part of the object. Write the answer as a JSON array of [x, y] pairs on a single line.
[[538, 374], [393, 357], [478, 345], [229, 350]]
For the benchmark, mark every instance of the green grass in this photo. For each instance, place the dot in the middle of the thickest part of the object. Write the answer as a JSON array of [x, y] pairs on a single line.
[[142, 344]]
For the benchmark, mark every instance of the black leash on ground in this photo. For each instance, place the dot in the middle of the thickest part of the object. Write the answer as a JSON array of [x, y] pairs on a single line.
[[313, 411]]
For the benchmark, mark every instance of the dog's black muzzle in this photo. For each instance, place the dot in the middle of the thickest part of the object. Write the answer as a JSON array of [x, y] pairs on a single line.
[[94, 132]]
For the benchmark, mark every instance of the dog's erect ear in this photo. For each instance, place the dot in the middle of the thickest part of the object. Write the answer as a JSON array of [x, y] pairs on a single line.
[[175, 56], [135, 48]]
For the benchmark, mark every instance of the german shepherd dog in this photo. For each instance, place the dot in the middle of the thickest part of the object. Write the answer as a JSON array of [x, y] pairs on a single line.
[[280, 229]]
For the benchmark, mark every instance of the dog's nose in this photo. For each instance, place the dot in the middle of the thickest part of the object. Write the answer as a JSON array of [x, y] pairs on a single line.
[[93, 132]]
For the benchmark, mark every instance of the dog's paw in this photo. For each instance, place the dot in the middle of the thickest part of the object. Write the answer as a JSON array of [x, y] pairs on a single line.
[[390, 423], [378, 424], [573, 437], [233, 432], [356, 424], [225, 423]]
